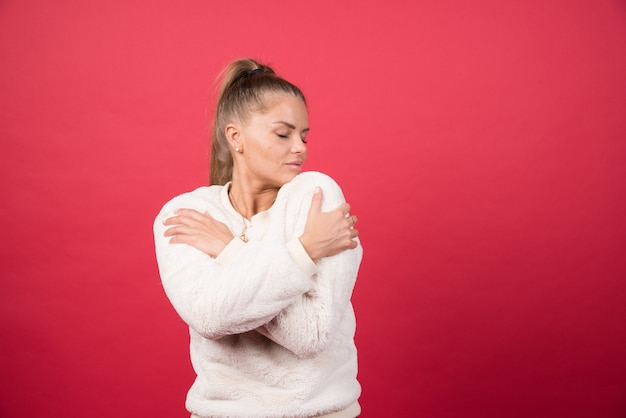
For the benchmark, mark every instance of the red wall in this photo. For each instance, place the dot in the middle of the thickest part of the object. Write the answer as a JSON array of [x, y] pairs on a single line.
[[481, 144]]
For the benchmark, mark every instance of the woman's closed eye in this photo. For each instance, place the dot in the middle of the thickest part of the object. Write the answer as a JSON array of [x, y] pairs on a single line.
[[286, 136]]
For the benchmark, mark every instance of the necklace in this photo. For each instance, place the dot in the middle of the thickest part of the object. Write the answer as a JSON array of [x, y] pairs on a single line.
[[243, 235]]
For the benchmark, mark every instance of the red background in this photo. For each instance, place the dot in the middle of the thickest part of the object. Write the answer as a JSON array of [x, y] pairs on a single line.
[[481, 144]]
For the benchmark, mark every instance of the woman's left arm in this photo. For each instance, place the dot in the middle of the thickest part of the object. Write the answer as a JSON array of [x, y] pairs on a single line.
[[307, 326]]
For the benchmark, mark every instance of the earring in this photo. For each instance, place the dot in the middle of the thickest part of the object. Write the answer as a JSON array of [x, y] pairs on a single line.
[[236, 149]]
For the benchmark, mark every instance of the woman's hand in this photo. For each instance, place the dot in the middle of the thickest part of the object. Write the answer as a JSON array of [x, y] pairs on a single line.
[[328, 233], [199, 230]]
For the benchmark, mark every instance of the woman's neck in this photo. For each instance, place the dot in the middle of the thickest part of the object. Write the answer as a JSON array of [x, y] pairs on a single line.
[[249, 200]]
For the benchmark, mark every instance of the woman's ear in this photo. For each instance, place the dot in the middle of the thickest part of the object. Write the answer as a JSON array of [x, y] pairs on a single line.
[[233, 136]]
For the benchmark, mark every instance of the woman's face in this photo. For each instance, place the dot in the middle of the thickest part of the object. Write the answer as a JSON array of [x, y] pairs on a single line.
[[273, 141]]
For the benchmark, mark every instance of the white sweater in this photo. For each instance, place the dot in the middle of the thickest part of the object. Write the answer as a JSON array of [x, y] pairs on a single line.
[[272, 333]]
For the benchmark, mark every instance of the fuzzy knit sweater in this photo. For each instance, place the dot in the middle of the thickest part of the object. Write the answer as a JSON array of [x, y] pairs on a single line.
[[272, 333]]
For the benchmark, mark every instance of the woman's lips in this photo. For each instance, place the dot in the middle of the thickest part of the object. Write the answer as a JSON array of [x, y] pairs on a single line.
[[295, 165]]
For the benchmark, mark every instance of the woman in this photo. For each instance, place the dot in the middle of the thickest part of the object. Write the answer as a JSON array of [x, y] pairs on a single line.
[[261, 264]]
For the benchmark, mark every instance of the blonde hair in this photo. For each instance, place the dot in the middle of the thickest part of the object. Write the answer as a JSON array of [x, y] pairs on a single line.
[[244, 86]]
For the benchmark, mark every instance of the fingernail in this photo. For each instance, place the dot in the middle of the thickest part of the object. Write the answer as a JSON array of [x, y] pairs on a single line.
[[317, 189]]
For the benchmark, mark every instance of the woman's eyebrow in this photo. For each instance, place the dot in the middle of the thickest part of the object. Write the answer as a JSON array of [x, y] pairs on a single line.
[[289, 125]]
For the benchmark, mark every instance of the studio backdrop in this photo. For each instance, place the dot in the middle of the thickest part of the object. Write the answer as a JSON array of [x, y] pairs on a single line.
[[481, 145]]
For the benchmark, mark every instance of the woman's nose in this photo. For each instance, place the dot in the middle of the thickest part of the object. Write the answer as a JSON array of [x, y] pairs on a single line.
[[298, 146]]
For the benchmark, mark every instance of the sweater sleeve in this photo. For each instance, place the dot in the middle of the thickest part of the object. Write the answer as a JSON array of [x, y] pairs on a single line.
[[311, 321], [221, 299]]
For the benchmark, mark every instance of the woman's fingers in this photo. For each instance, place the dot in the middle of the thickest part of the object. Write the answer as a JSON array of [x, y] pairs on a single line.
[[188, 217], [181, 229], [192, 213], [344, 208], [316, 201]]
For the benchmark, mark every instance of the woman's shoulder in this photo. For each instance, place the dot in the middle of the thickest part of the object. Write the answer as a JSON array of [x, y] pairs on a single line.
[[304, 184], [314, 178]]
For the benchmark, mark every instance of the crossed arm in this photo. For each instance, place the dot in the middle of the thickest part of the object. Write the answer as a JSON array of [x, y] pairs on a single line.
[[268, 291]]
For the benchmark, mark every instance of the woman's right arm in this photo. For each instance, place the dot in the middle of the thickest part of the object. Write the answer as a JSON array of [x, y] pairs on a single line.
[[217, 300]]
